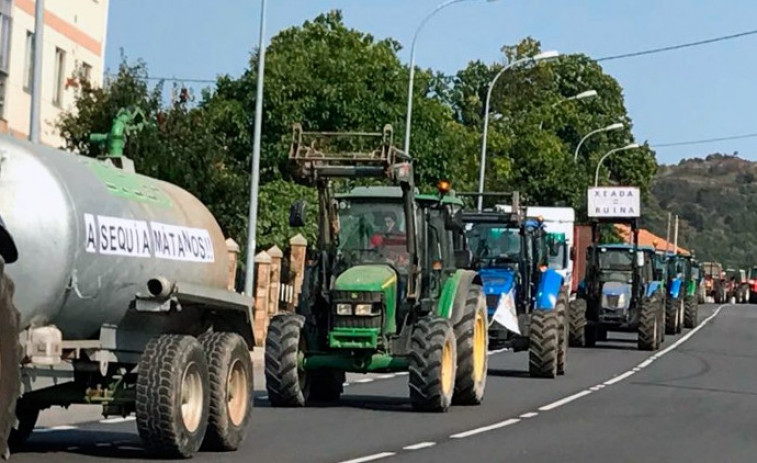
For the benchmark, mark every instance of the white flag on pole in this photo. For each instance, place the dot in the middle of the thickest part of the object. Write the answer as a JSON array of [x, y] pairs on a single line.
[[506, 314]]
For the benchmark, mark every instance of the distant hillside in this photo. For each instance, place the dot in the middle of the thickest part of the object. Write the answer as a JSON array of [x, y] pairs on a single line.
[[716, 201]]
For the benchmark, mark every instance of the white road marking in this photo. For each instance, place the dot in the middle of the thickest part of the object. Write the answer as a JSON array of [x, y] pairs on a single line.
[[119, 419], [491, 427], [376, 456], [421, 445], [619, 378], [564, 401], [345, 384], [595, 388], [388, 376], [55, 428], [497, 351], [364, 380], [529, 415], [402, 373]]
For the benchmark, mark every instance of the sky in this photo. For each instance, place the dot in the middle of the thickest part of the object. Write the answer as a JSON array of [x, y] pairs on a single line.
[[691, 94]]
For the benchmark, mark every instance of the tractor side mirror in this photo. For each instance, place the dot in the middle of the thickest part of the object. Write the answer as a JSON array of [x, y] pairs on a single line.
[[463, 258], [297, 214], [453, 218]]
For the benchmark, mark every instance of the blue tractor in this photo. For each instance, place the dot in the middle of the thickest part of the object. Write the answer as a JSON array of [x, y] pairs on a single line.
[[523, 295], [674, 269], [623, 290]]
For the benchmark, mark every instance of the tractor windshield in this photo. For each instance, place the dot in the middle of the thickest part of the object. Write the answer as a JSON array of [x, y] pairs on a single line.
[[556, 247], [371, 231], [615, 264], [494, 244]]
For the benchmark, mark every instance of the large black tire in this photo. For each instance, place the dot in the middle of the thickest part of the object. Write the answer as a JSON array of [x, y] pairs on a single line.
[[649, 325], [230, 373], [433, 364], [673, 314], [577, 323], [543, 344], [691, 313], [172, 374], [287, 384], [471, 332], [10, 360], [563, 332]]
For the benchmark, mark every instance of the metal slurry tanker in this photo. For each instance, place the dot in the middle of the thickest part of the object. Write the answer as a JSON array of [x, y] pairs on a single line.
[[120, 282]]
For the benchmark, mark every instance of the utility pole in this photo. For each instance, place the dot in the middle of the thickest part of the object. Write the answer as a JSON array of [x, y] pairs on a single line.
[[667, 238], [675, 237], [39, 28], [255, 177]]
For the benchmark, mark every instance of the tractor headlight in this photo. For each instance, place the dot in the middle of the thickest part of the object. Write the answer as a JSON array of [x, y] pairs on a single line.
[[344, 309], [364, 309]]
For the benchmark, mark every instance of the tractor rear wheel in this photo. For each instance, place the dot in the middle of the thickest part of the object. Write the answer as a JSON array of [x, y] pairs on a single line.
[[671, 315], [691, 313], [326, 385], [286, 382], [172, 396], [433, 364], [10, 360], [231, 390], [577, 323], [649, 325], [543, 344], [563, 332], [471, 332]]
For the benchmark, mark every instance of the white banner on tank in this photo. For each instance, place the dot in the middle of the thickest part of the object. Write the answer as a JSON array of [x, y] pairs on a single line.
[[136, 238], [182, 243]]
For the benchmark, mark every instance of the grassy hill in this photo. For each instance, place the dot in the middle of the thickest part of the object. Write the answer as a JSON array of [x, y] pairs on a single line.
[[716, 201]]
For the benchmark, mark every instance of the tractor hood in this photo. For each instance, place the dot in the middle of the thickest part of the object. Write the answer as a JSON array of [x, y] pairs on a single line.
[[369, 277], [616, 295], [497, 280]]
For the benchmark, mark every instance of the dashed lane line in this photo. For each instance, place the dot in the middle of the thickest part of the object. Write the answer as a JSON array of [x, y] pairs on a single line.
[[558, 403]]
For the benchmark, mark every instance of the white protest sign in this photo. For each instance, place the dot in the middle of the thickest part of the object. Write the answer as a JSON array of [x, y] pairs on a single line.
[[506, 314], [608, 202]]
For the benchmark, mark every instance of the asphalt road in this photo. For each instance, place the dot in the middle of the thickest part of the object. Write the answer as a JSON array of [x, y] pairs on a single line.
[[692, 401]]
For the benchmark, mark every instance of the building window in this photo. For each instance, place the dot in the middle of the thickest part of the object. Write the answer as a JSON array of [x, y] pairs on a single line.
[[60, 72], [5, 35], [29, 61], [86, 71]]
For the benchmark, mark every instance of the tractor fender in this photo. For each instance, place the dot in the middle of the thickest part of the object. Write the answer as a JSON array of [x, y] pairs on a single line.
[[652, 287], [454, 293], [675, 288], [550, 286]]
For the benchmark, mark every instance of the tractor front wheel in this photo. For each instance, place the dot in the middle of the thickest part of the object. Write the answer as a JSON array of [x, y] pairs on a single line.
[[563, 332], [671, 315], [577, 323], [471, 333], [433, 365], [691, 313], [10, 360], [287, 383], [543, 344], [649, 326]]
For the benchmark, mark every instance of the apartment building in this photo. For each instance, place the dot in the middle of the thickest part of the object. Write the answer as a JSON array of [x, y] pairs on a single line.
[[73, 49]]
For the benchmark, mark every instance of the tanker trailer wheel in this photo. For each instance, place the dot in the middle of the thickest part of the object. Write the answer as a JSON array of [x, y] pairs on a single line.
[[543, 344], [231, 390], [691, 313], [649, 326], [173, 393], [471, 332], [287, 382], [563, 332], [578, 326], [10, 360], [433, 364]]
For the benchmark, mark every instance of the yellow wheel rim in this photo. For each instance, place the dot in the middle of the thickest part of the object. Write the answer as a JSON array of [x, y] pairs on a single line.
[[447, 368], [237, 393], [479, 347]]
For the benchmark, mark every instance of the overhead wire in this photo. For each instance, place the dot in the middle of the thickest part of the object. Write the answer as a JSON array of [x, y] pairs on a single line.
[[705, 140]]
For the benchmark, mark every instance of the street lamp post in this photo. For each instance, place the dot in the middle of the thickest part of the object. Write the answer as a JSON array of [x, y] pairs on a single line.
[[615, 126], [255, 176], [409, 111], [627, 147], [547, 55], [580, 96]]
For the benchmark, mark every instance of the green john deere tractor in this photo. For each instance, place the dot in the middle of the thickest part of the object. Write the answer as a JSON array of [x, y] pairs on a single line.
[[385, 289]]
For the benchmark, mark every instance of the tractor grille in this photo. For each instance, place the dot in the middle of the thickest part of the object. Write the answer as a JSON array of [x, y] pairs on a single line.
[[356, 296], [344, 321]]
